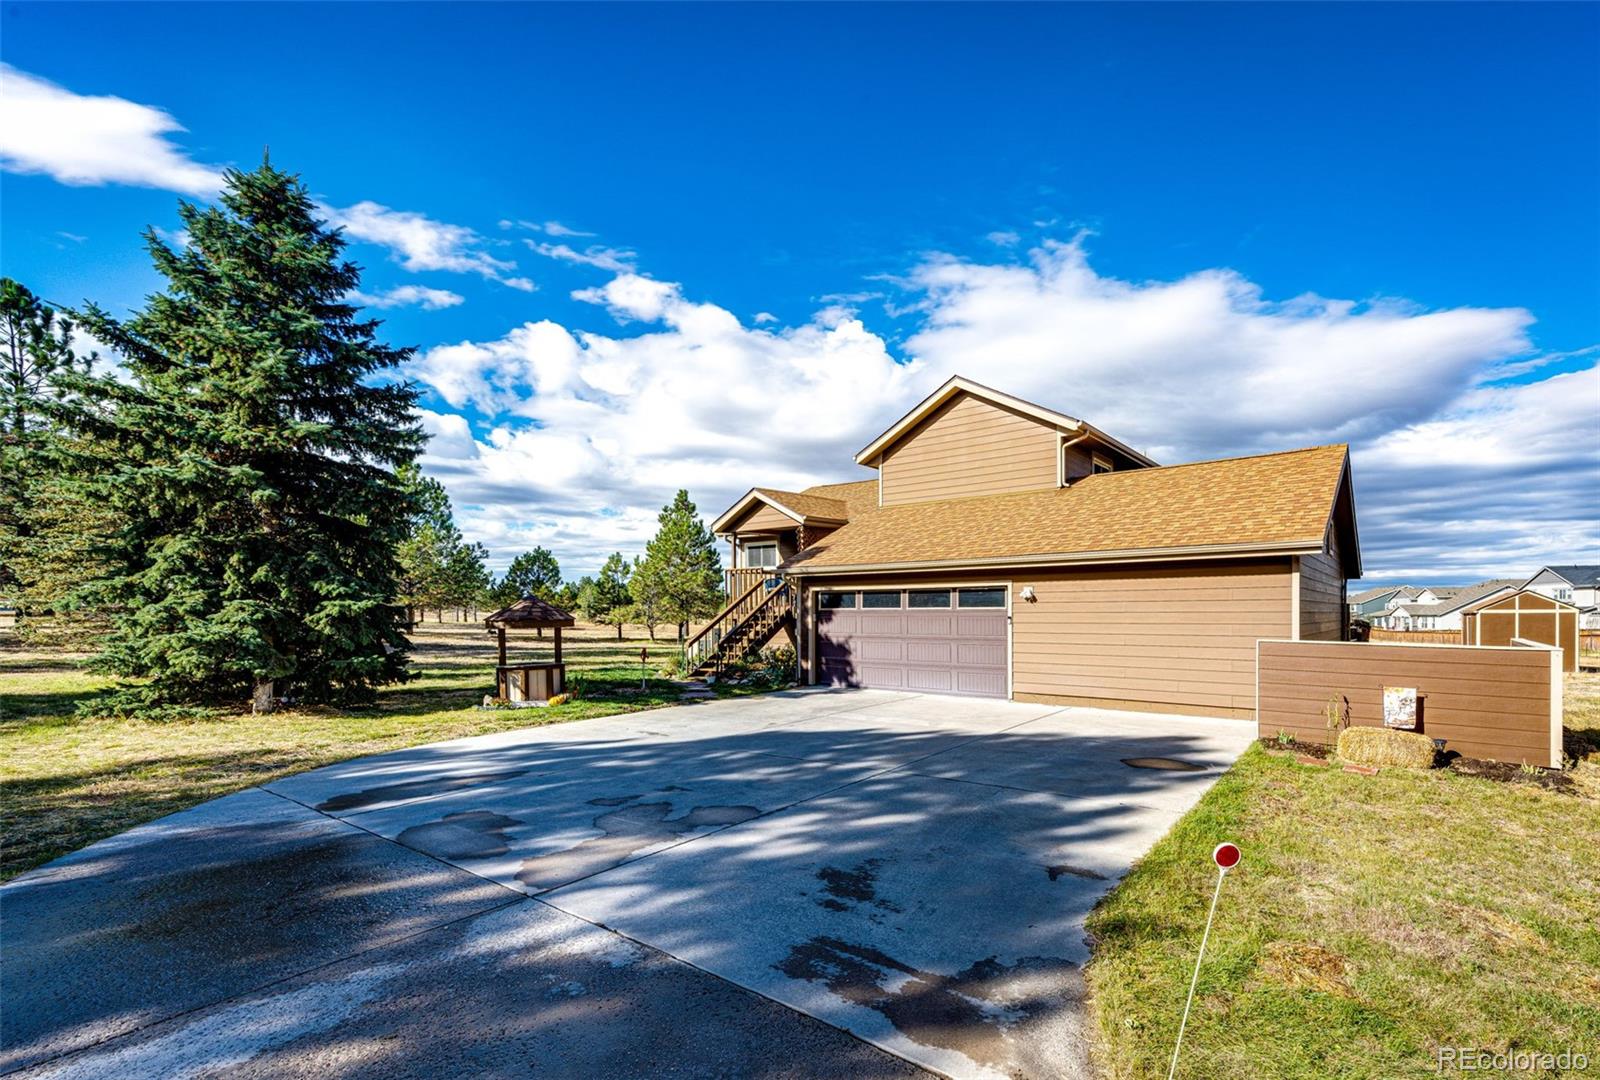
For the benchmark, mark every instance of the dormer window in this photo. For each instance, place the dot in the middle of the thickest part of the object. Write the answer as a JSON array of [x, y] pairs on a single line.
[[1099, 463]]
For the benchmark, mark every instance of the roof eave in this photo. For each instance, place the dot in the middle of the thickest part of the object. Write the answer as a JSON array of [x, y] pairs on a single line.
[[1165, 554]]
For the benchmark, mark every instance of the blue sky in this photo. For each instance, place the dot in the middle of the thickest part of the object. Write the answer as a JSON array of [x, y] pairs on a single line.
[[642, 247]]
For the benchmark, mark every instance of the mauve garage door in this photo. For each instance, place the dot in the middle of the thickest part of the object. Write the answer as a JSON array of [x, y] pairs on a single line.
[[949, 651]]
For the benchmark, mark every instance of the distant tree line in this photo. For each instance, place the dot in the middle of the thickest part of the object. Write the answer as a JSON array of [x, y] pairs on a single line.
[[236, 512]]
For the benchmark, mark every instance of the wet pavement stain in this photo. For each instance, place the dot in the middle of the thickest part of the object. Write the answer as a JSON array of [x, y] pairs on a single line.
[[1164, 763], [411, 789], [970, 1012], [1055, 872], [624, 832], [471, 834], [847, 888]]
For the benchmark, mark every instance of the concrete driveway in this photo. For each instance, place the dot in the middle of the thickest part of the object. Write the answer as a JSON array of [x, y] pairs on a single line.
[[812, 883]]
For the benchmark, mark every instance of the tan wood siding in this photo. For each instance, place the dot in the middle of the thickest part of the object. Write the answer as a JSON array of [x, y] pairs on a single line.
[[765, 519], [1322, 594], [1178, 638], [970, 447], [1485, 703], [1161, 638]]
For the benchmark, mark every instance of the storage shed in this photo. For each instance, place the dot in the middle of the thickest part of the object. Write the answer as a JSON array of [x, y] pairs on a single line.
[[1524, 615]]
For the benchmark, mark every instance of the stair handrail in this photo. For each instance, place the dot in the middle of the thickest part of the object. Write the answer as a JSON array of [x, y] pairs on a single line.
[[749, 618]]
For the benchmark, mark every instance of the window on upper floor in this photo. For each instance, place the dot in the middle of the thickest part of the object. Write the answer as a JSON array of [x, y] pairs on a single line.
[[761, 556], [1099, 463]]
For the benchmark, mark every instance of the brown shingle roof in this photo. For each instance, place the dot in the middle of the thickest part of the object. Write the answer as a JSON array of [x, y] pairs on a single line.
[[807, 504], [1273, 499], [859, 496], [530, 611]]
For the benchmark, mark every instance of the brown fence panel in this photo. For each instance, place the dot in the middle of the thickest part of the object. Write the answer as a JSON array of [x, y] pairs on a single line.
[[1498, 703], [1417, 637], [1589, 641]]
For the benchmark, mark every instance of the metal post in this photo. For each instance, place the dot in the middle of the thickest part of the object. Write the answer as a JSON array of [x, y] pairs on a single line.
[[1226, 856]]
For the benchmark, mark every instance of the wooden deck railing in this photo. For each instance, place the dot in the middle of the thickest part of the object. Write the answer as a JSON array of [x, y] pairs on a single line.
[[740, 579], [744, 604]]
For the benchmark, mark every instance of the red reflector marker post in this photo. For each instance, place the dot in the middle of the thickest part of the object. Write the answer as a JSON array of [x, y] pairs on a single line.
[[1226, 856]]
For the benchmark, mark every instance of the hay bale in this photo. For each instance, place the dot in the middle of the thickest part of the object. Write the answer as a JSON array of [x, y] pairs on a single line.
[[1385, 746]]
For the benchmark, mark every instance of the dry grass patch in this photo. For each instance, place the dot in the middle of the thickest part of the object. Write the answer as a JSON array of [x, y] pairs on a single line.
[[66, 782], [1372, 921]]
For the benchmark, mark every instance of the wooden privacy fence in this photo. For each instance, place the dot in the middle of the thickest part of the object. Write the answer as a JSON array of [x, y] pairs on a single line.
[[1589, 641], [1500, 703], [1418, 637]]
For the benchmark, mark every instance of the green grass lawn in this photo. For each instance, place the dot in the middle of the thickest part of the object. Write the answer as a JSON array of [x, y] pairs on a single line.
[[66, 782], [1372, 921]]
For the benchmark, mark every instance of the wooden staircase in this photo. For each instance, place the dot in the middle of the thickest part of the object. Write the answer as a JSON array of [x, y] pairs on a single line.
[[746, 624]]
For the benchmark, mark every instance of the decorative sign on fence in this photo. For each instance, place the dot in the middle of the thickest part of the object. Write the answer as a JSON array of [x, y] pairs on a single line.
[[1400, 707]]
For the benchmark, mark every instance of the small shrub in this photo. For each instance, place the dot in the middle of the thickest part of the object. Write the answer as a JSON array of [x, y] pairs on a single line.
[[1385, 746], [671, 665], [1336, 717]]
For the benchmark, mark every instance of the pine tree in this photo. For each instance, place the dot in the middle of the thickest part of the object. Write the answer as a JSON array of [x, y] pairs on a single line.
[[533, 573], [682, 569], [47, 526], [605, 599], [256, 453]]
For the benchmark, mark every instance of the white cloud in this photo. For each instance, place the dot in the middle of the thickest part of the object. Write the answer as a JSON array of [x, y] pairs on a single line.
[[764, 317], [408, 296], [588, 433], [1204, 364], [591, 433], [549, 228], [83, 140], [1002, 238], [418, 242], [615, 260]]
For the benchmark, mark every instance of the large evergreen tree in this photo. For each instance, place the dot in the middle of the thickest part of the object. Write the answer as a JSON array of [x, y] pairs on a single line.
[[257, 448], [682, 569]]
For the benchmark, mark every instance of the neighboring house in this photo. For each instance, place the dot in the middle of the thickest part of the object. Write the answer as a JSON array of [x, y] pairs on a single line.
[[1576, 585], [1370, 602], [1444, 612], [1008, 550]]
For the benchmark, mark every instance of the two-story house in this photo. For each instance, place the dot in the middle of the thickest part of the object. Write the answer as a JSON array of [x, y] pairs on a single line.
[[1003, 549], [1572, 584]]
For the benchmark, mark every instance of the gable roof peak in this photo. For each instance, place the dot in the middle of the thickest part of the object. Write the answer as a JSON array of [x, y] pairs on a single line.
[[960, 384]]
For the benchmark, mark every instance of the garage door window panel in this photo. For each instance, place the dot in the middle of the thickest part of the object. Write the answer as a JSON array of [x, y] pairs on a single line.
[[880, 600], [834, 601], [982, 598], [928, 598]]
